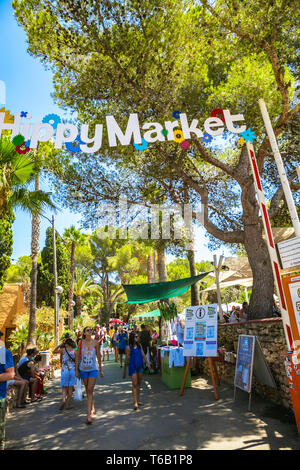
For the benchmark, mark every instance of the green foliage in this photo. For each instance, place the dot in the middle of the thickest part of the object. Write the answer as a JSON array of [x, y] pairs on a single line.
[[45, 271], [6, 244], [167, 311], [19, 272], [18, 339]]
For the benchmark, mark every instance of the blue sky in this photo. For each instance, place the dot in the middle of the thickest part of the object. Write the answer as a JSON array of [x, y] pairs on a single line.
[[28, 88]]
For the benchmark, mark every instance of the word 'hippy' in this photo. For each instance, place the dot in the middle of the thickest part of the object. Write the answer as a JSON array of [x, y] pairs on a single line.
[[67, 132]]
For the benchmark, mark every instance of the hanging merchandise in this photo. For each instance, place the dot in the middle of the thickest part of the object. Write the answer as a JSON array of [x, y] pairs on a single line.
[[168, 311]]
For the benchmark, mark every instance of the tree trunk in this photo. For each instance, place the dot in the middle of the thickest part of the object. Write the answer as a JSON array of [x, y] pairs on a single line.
[[162, 267], [71, 288], [150, 268], [195, 295], [78, 304], [35, 236], [261, 302]]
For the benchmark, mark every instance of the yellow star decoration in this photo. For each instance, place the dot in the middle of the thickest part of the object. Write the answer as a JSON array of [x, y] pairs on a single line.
[[8, 118], [241, 141]]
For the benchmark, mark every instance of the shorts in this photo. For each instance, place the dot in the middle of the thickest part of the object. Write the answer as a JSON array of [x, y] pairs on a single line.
[[115, 344], [26, 377], [121, 351], [138, 370], [90, 373], [68, 378]]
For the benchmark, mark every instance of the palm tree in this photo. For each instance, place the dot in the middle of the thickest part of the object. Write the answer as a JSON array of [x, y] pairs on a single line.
[[17, 171], [83, 284], [72, 237]]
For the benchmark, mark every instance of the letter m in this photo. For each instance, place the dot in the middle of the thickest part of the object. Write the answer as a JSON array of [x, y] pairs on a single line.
[[132, 129]]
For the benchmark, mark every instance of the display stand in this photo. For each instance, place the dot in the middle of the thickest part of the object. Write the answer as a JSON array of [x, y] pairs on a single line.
[[250, 359], [213, 372]]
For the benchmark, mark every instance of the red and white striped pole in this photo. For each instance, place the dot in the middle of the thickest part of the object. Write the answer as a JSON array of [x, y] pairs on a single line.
[[271, 248]]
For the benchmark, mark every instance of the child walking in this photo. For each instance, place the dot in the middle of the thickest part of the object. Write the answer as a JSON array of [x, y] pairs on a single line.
[[68, 377]]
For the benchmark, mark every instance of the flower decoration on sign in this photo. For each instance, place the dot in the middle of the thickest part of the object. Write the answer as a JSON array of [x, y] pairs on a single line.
[[142, 146], [185, 144], [241, 141], [75, 148], [52, 119], [22, 148], [218, 112], [24, 114], [18, 140], [21, 145], [27, 143], [248, 135], [206, 138], [178, 136], [165, 132], [176, 114]]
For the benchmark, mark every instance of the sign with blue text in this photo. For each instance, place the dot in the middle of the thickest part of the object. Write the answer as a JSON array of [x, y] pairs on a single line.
[[201, 331]]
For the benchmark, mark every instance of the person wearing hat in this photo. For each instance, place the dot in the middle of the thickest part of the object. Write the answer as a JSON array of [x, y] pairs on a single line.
[[7, 372]]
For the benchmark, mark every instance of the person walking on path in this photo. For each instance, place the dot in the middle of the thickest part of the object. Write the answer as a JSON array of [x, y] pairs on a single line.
[[115, 343], [135, 358], [106, 345], [7, 372], [87, 369], [68, 377], [122, 339]]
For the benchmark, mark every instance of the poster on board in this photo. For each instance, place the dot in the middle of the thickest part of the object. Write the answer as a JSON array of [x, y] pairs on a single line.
[[250, 359], [244, 362], [201, 331]]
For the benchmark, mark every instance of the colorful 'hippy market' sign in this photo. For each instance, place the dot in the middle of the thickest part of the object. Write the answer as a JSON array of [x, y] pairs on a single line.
[[139, 135], [201, 331]]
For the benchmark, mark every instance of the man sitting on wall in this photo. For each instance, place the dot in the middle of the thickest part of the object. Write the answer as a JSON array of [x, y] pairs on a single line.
[[27, 371]]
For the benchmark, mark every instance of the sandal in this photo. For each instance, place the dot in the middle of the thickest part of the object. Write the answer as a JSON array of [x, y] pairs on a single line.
[[135, 407], [89, 421]]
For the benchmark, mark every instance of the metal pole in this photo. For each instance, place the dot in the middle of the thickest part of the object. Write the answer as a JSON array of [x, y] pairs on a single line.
[[217, 273], [282, 174], [56, 331]]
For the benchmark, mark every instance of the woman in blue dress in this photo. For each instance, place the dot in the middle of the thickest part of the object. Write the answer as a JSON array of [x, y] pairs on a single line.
[[68, 377], [135, 358]]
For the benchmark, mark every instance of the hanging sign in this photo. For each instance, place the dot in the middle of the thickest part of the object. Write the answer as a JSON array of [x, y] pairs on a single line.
[[289, 251], [201, 331], [135, 133]]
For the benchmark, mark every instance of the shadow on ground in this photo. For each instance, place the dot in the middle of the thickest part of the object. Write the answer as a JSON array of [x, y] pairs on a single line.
[[166, 421]]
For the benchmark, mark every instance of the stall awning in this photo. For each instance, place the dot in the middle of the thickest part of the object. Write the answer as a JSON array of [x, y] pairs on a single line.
[[143, 293], [154, 313]]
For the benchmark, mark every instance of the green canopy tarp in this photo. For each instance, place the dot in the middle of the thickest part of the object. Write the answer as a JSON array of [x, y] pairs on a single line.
[[153, 313], [142, 293]]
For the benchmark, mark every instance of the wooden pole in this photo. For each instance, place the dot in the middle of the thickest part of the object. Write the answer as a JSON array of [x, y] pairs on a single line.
[[185, 376], [213, 377]]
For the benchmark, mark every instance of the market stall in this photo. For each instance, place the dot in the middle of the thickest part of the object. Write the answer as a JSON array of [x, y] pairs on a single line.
[[171, 360]]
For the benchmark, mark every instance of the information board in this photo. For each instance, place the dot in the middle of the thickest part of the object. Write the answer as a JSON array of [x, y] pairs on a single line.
[[250, 359], [289, 251], [201, 331], [244, 362]]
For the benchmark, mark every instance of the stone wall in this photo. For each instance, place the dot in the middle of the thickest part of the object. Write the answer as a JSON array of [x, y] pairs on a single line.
[[272, 340]]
